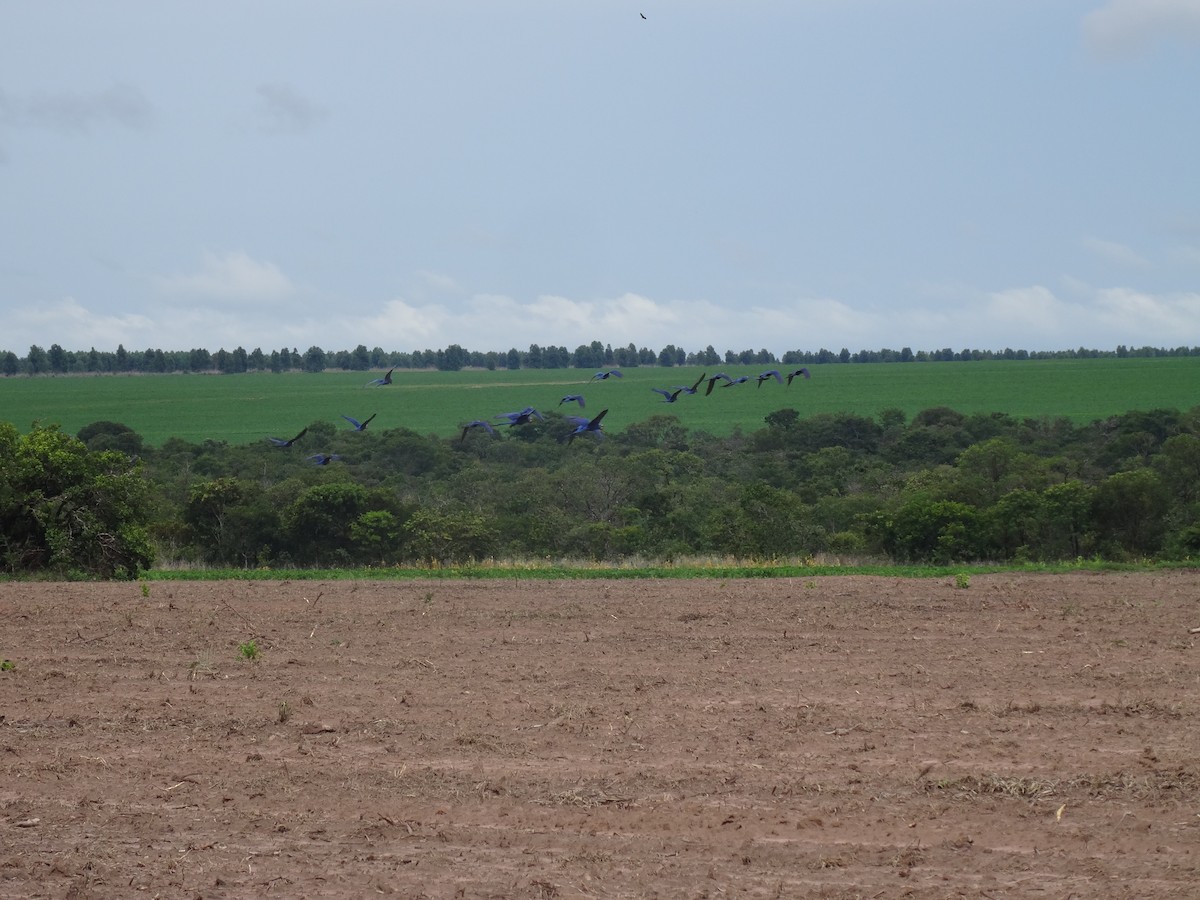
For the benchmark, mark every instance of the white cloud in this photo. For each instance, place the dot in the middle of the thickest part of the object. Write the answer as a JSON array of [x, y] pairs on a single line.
[[550, 315], [631, 313], [1032, 317], [405, 326], [1115, 252], [625, 317], [954, 316], [1155, 319], [231, 276], [1128, 27], [1035, 318], [1034, 310], [1027, 317], [798, 321], [69, 324]]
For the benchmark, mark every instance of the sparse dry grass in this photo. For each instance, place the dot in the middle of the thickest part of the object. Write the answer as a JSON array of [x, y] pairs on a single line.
[[1141, 786]]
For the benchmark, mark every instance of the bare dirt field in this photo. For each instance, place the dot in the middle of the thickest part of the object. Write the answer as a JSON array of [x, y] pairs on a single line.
[[1021, 736]]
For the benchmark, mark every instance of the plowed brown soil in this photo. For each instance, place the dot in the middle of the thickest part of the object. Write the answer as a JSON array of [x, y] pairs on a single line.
[[1026, 735]]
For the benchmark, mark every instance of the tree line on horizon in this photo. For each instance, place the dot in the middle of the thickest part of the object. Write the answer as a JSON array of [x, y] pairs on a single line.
[[942, 488], [57, 361]]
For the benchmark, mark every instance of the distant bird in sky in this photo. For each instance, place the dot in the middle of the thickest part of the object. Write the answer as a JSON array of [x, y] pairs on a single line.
[[360, 426], [695, 387], [608, 373], [478, 423], [323, 459], [280, 442], [584, 426], [714, 380], [741, 379], [643, 15], [386, 379], [801, 371], [668, 396], [572, 398], [521, 418], [768, 375]]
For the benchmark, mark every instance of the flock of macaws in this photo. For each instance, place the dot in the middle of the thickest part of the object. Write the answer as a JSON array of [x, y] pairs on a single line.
[[670, 396], [583, 424]]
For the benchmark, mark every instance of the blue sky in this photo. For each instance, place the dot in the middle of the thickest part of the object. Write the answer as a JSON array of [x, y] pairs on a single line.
[[779, 174]]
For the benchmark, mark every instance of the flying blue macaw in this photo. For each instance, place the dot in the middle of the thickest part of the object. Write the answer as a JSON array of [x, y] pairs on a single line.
[[386, 379], [585, 426], [281, 442], [360, 426]]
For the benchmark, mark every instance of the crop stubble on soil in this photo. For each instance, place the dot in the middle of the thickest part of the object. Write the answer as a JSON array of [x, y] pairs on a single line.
[[830, 737]]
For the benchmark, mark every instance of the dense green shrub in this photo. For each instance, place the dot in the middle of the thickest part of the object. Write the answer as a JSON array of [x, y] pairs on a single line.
[[68, 510], [942, 488]]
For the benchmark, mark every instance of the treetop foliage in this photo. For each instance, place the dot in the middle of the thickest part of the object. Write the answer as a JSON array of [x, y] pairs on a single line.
[[595, 355]]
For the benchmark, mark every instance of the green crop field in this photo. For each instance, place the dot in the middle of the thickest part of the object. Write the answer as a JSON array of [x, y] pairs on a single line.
[[244, 408]]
